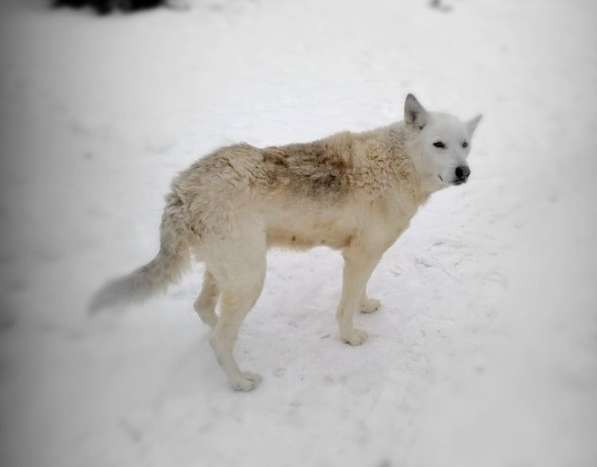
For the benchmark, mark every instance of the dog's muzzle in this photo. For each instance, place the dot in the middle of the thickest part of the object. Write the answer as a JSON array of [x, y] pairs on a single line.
[[461, 174]]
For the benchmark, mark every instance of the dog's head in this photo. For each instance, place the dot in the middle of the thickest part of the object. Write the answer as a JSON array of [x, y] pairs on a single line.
[[440, 145]]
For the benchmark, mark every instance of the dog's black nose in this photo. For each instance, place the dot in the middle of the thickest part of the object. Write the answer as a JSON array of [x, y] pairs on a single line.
[[462, 172]]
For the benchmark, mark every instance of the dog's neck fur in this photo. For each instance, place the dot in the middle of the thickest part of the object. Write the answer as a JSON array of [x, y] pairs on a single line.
[[406, 153]]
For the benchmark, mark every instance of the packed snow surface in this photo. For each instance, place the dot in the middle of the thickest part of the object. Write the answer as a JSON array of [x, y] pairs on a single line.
[[485, 350]]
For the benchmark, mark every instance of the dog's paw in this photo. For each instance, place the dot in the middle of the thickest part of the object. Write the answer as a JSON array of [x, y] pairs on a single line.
[[357, 337], [370, 305], [247, 382]]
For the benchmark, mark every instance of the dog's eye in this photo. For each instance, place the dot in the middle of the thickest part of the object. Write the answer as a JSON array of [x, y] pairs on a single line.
[[465, 144], [439, 144]]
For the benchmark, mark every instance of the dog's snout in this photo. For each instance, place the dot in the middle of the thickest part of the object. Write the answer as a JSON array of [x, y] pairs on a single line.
[[462, 173]]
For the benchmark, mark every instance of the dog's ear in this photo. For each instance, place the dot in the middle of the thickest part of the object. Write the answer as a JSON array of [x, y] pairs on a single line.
[[414, 113], [471, 125]]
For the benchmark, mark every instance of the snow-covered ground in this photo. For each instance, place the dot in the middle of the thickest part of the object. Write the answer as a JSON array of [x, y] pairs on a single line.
[[485, 351]]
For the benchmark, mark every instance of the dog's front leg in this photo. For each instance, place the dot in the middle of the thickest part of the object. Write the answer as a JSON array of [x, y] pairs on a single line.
[[358, 267]]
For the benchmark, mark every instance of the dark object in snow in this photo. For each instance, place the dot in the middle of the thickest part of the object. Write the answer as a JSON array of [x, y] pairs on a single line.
[[438, 5], [104, 7]]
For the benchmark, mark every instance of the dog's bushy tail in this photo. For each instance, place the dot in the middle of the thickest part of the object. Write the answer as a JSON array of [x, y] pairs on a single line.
[[166, 268]]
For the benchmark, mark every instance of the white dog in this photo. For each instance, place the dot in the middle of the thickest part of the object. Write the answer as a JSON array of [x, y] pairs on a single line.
[[355, 192]]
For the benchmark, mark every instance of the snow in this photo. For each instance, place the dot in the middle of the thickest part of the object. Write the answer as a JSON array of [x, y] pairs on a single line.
[[485, 351]]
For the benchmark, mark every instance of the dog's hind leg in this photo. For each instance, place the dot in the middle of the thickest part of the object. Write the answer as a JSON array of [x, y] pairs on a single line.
[[358, 267], [240, 282], [205, 305]]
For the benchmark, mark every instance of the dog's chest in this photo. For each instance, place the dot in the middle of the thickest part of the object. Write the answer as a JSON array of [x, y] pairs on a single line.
[[389, 216]]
